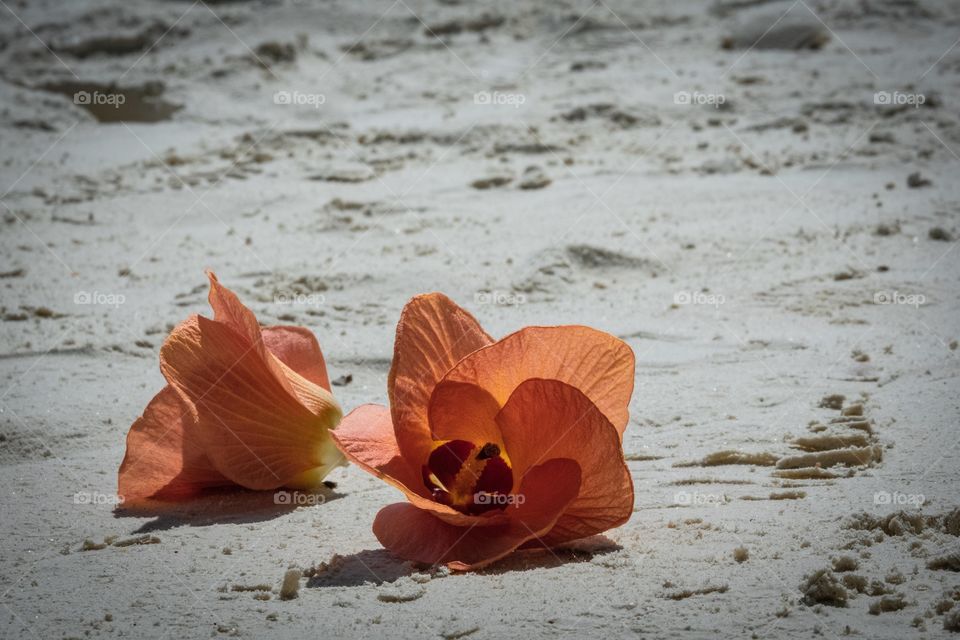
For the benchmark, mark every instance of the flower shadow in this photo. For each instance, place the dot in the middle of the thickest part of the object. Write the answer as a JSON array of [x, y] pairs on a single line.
[[239, 506], [369, 566], [378, 566], [539, 557]]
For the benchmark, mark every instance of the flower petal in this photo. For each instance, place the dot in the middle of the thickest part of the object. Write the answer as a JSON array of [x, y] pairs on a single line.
[[414, 534], [300, 353], [366, 437], [546, 419], [597, 363], [298, 348], [433, 334], [228, 309], [164, 460], [253, 427], [462, 411]]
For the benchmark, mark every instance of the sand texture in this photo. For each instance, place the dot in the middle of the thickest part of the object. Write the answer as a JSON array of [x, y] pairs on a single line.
[[769, 227]]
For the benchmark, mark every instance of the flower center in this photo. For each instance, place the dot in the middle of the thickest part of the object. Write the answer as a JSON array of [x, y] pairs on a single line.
[[470, 478]]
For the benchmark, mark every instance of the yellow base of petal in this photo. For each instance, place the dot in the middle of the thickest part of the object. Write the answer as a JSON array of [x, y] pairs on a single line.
[[312, 479]]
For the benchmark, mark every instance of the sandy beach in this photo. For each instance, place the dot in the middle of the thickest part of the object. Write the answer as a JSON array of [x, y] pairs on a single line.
[[760, 198]]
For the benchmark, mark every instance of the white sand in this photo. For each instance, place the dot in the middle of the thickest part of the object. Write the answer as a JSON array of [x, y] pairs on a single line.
[[763, 213]]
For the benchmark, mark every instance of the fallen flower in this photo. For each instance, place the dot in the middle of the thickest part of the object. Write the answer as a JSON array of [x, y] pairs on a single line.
[[244, 405], [496, 445]]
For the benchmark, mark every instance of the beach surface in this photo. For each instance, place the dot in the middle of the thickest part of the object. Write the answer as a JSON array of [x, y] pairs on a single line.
[[760, 198]]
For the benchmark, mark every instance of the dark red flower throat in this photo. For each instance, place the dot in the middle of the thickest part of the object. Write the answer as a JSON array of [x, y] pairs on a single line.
[[472, 479]]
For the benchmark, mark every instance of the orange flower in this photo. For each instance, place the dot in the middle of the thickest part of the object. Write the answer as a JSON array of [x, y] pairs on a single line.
[[495, 444], [243, 406]]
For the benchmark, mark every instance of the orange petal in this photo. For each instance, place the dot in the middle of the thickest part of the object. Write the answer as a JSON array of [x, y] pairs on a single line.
[[366, 437], [164, 460], [414, 534], [228, 309], [298, 348], [433, 334], [461, 411], [546, 419], [301, 353], [254, 429], [597, 363]]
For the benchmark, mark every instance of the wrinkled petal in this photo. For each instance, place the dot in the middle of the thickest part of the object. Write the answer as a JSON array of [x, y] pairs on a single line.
[[366, 437], [597, 363], [228, 310], [433, 334], [298, 348], [164, 460], [461, 411], [546, 419], [254, 429], [415, 534]]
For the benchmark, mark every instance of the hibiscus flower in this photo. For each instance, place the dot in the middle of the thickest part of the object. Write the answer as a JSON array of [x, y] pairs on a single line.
[[243, 406], [496, 444]]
